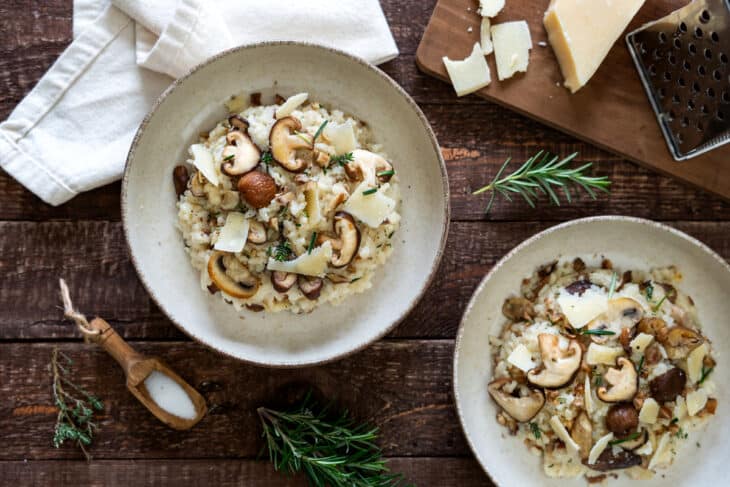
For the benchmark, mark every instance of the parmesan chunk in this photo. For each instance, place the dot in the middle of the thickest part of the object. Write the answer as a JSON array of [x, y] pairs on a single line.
[[233, 234], [640, 342], [512, 44], [308, 264], [469, 74], [563, 434], [486, 36], [370, 208], [602, 354], [490, 8], [694, 362], [696, 401], [291, 104], [663, 453], [521, 358], [598, 448], [649, 411], [580, 310], [680, 408], [587, 396], [203, 160], [341, 136]]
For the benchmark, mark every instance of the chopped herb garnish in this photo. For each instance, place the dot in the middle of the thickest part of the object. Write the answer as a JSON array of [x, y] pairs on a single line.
[[228, 158], [659, 304], [612, 287], [391, 234], [597, 332], [319, 131], [283, 251], [535, 430], [311, 242], [641, 365], [355, 279], [631, 437], [681, 434], [674, 420], [705, 373], [342, 159], [369, 191], [381, 174], [649, 291], [598, 381], [267, 158]]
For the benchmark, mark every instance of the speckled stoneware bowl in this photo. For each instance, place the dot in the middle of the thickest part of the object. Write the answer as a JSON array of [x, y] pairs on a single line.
[[194, 104], [628, 242]]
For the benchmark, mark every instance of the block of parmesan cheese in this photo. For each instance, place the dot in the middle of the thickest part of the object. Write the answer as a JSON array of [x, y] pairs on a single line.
[[470, 74], [582, 32]]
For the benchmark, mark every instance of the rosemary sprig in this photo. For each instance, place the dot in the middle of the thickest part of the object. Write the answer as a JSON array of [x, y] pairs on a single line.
[[75, 406], [311, 242], [596, 332], [612, 287], [370, 191], [319, 131], [331, 450], [631, 437], [705, 373], [544, 173], [282, 251], [658, 306], [342, 159]]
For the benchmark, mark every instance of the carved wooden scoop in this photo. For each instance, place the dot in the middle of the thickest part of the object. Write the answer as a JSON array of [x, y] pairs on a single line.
[[151, 381]]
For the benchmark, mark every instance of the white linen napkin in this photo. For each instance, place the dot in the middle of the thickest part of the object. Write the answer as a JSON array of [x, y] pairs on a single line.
[[73, 130]]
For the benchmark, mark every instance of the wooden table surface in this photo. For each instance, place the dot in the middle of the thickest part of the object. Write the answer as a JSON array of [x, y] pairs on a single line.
[[402, 383]]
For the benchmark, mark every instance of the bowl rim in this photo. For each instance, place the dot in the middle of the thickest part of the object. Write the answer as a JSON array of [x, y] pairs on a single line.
[[509, 255], [389, 82]]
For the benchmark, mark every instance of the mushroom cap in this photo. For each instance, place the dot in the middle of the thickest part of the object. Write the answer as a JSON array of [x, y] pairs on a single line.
[[608, 461], [346, 243], [257, 189], [621, 313], [679, 341], [284, 144], [283, 281], [311, 287], [256, 232], [667, 386], [217, 271], [523, 408], [366, 165], [241, 155], [180, 179], [622, 418], [624, 382], [558, 365]]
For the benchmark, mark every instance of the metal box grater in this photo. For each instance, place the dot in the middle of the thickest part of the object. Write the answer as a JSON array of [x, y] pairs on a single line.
[[683, 63]]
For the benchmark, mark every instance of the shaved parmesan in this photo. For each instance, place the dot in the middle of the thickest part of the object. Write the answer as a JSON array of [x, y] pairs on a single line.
[[291, 104], [203, 160], [485, 36], [587, 396], [233, 235], [372, 208], [341, 136], [696, 401], [598, 448], [646, 449], [640, 342], [512, 44], [311, 196], [649, 411], [521, 358], [602, 354], [307, 264], [680, 408], [663, 452], [470, 74], [490, 8], [563, 434], [580, 310], [694, 362]]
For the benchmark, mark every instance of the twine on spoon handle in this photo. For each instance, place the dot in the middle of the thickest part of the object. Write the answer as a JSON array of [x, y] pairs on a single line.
[[89, 333]]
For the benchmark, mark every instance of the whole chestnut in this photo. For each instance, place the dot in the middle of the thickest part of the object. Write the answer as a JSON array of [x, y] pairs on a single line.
[[665, 387], [621, 419], [257, 188]]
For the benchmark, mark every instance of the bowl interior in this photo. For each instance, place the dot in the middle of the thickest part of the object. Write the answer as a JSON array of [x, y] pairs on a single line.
[[628, 243], [195, 104]]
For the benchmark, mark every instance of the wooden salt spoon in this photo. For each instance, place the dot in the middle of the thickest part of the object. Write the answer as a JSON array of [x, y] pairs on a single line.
[[137, 368]]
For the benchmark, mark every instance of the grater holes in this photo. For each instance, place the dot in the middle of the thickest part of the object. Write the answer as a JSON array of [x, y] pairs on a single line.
[[716, 75], [710, 93], [652, 70], [681, 82], [690, 105], [715, 37], [723, 58], [678, 137], [699, 33], [672, 59], [692, 48], [662, 38], [720, 115], [695, 88], [667, 76], [676, 99], [708, 53], [687, 65], [662, 93], [704, 110], [672, 115], [705, 16], [700, 126], [656, 54], [701, 70], [684, 122], [682, 27], [677, 43], [725, 97]]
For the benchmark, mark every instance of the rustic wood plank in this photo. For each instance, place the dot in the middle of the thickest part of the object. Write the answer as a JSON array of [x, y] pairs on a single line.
[[401, 386], [423, 472], [92, 257]]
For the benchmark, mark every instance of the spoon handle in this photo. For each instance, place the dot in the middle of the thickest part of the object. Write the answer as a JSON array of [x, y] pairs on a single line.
[[115, 345]]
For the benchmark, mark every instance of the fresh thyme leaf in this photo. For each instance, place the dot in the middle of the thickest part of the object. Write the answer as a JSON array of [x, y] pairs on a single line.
[[705, 374], [544, 173], [319, 131], [597, 332], [342, 159], [674, 420], [631, 437], [311, 242], [641, 365], [76, 406], [681, 434], [390, 234], [535, 430], [267, 158], [381, 174], [369, 191], [329, 448], [649, 291], [355, 279], [659, 304], [598, 380], [228, 158], [612, 287], [282, 251]]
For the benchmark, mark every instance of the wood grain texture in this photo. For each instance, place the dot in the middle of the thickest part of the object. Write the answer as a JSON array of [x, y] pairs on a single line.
[[424, 472], [611, 111]]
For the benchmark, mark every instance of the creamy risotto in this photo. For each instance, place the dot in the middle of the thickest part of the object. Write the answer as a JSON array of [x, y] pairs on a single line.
[[287, 206], [601, 369]]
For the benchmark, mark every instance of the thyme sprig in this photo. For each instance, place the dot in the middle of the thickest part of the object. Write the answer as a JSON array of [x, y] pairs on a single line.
[[76, 406], [282, 251], [342, 159], [544, 173], [330, 449]]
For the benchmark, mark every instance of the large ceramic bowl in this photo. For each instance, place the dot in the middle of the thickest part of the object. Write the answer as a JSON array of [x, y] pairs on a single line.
[[628, 242], [193, 104]]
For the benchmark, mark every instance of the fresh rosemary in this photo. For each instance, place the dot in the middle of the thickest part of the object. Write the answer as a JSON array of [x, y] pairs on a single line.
[[597, 332], [640, 366], [319, 131], [230, 157], [342, 159], [544, 173], [659, 304], [330, 449], [76, 407], [631, 437], [612, 287], [705, 373], [370, 191], [311, 242]]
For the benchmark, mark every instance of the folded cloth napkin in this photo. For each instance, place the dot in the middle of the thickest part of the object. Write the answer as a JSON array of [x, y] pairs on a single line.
[[73, 130]]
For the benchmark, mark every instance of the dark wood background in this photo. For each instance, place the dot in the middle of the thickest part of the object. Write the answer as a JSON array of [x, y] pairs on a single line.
[[402, 384]]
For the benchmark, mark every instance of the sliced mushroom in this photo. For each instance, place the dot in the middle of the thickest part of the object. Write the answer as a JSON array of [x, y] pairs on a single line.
[[180, 179], [283, 281], [678, 341], [623, 382], [285, 144], [242, 289], [197, 184], [241, 155], [608, 461], [311, 287], [621, 313], [337, 278], [558, 365], [637, 441], [621, 419], [518, 309], [667, 386], [238, 123], [346, 243], [365, 166], [653, 326], [582, 434], [256, 232], [523, 408]]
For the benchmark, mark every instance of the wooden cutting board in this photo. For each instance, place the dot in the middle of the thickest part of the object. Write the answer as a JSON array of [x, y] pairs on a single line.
[[611, 111]]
